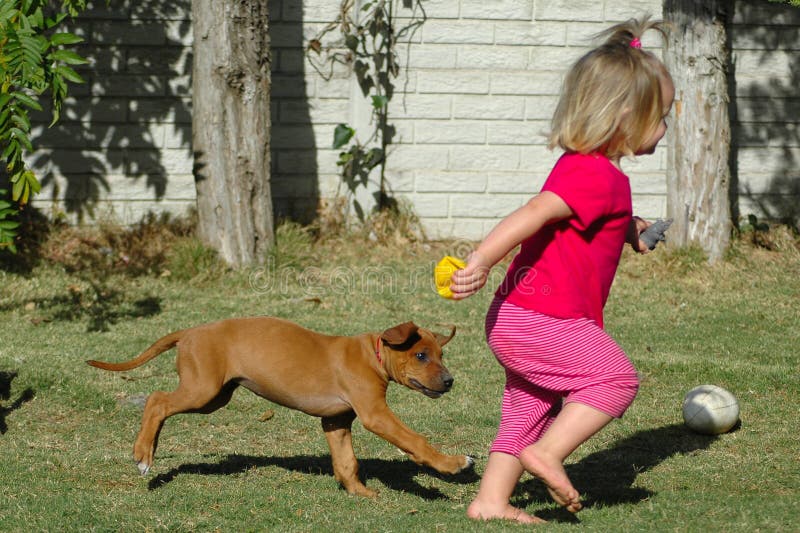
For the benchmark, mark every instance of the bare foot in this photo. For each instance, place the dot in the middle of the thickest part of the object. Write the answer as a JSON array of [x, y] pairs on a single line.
[[552, 473], [484, 511]]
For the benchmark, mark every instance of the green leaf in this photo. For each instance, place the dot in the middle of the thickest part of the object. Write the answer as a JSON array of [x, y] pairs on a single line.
[[344, 158], [17, 189], [69, 74], [12, 146], [57, 39], [379, 101], [27, 100], [342, 135], [55, 21], [22, 138], [21, 121], [33, 183], [9, 224], [37, 18], [7, 10], [68, 57], [32, 46], [28, 180]]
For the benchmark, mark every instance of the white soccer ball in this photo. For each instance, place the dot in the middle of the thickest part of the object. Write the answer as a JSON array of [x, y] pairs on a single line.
[[710, 410]]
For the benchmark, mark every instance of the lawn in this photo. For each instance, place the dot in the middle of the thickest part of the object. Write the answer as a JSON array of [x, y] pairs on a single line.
[[67, 429]]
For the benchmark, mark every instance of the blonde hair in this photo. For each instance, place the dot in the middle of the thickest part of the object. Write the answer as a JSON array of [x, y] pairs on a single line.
[[611, 99]]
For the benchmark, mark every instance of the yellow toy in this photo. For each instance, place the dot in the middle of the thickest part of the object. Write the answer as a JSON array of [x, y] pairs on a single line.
[[443, 272]]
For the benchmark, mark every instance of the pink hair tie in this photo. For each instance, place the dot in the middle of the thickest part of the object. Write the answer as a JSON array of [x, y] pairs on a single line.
[[636, 43]]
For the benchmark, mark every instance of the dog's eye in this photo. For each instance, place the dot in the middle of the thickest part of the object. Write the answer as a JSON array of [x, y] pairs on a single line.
[[422, 356]]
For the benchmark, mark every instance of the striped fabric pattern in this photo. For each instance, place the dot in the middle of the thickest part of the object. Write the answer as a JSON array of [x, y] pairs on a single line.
[[549, 361]]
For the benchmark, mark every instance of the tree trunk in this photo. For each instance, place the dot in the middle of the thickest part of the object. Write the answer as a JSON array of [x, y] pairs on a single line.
[[231, 127], [698, 171]]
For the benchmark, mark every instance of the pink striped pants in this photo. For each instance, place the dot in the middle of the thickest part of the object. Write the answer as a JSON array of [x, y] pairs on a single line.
[[550, 361]]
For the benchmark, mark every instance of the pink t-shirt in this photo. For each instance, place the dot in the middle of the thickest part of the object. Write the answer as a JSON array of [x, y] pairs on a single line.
[[565, 270]]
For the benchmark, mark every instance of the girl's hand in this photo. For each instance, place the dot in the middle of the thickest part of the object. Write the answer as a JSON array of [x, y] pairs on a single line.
[[638, 225], [472, 278]]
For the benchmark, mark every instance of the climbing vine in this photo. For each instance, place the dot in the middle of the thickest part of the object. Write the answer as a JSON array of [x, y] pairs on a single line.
[[367, 43]]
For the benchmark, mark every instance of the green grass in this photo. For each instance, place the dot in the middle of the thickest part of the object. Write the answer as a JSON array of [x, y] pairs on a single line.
[[67, 429]]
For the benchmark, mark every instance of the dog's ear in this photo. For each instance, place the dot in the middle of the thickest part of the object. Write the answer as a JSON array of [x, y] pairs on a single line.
[[399, 335], [442, 339]]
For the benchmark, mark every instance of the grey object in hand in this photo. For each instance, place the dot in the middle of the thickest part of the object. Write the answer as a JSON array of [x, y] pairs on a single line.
[[655, 233]]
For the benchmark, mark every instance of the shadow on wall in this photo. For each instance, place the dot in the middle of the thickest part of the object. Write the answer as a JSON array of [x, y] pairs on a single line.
[[295, 182], [129, 127], [765, 111], [136, 100]]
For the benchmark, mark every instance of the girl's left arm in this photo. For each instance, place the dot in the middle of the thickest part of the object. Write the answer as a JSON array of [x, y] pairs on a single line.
[[543, 209]]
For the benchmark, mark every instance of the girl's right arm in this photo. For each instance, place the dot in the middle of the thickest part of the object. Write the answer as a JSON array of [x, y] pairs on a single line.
[[543, 209]]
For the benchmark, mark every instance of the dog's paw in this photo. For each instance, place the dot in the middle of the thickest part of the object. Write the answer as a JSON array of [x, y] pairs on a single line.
[[469, 464], [361, 490], [144, 468], [465, 464]]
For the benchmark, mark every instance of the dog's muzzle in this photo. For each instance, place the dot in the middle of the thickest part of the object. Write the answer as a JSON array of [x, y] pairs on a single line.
[[447, 384]]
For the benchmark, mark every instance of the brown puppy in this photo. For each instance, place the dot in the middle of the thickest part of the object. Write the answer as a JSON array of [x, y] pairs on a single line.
[[335, 378]]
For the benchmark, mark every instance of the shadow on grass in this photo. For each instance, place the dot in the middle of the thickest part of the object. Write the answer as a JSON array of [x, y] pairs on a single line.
[[5, 393], [397, 474], [607, 477], [102, 306]]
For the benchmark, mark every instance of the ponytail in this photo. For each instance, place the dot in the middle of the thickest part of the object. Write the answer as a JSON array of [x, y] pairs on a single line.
[[629, 33]]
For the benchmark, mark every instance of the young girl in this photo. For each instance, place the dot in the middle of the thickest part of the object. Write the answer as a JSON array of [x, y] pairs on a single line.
[[565, 377]]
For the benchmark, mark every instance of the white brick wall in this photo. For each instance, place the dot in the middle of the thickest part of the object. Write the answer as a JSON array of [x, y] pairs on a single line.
[[478, 86], [124, 140], [491, 72], [766, 59]]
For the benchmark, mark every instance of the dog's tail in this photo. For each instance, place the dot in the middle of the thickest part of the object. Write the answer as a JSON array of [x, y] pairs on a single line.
[[160, 346]]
